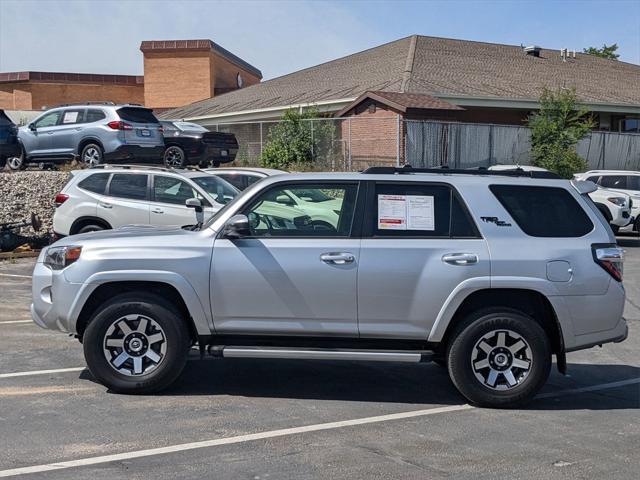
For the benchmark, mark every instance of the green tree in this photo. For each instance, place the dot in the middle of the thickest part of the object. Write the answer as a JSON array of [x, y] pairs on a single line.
[[298, 141], [556, 129], [607, 51]]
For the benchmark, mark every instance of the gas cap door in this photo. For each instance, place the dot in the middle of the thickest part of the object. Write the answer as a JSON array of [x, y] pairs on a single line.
[[559, 271]]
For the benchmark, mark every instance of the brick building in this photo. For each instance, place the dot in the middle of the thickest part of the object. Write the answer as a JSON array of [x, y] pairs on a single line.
[[176, 73]]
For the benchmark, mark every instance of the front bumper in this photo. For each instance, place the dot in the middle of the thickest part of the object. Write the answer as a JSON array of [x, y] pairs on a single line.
[[136, 153]]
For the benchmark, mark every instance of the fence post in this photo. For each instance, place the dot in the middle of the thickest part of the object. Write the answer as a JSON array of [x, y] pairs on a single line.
[[349, 143], [260, 138], [312, 149], [398, 140]]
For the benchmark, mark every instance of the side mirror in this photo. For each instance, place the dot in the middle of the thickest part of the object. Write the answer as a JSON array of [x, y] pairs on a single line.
[[196, 204], [32, 127], [237, 227]]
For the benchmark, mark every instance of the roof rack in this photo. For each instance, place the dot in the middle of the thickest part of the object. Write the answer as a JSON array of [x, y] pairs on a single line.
[[147, 167], [407, 169], [83, 103]]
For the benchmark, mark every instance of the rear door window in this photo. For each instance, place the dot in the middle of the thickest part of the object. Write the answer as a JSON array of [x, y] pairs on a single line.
[[633, 182], [550, 212], [614, 181], [137, 115], [129, 185], [72, 117], [412, 209], [96, 183], [94, 115]]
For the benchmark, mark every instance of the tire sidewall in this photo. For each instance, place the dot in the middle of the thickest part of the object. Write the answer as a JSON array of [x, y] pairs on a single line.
[[100, 153], [184, 157], [461, 348], [90, 228], [176, 336]]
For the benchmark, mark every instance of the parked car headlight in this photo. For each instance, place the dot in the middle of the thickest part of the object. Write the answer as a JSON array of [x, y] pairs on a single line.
[[58, 258], [617, 201]]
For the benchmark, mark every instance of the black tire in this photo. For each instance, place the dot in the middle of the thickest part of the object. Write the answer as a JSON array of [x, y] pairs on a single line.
[[174, 157], [3, 162], [162, 319], [466, 350], [91, 155], [92, 227]]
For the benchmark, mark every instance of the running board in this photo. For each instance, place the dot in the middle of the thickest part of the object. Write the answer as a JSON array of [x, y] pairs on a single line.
[[411, 356]]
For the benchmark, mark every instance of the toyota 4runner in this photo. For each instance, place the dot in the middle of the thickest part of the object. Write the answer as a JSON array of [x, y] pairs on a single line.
[[486, 273]]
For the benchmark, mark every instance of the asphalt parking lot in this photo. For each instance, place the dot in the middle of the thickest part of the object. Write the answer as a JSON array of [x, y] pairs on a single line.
[[273, 419]]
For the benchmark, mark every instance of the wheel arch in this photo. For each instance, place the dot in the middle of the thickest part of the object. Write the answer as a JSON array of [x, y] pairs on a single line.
[[80, 222], [529, 301], [604, 210], [87, 140], [180, 294]]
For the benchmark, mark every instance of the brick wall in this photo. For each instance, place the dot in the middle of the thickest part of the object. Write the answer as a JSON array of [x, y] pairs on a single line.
[[35, 95]]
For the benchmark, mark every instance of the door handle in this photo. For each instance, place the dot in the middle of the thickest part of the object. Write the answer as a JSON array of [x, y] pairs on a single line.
[[338, 258], [106, 205], [460, 258], [157, 210]]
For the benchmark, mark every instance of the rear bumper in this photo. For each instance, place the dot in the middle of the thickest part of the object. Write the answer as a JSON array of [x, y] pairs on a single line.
[[9, 149], [219, 154], [152, 154], [615, 335]]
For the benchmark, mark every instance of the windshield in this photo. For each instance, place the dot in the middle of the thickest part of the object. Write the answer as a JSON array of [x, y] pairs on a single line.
[[222, 192], [190, 127]]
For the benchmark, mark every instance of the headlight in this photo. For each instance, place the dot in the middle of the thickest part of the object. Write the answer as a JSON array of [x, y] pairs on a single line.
[[58, 258], [616, 200]]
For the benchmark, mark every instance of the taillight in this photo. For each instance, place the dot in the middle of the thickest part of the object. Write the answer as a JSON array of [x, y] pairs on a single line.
[[610, 257], [61, 198], [119, 125]]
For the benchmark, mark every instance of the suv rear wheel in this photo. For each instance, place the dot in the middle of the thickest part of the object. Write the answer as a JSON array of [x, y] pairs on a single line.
[[17, 163], [136, 343], [91, 155], [174, 157], [499, 358]]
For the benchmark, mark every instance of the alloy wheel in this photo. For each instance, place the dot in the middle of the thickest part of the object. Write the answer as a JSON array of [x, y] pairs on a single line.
[[91, 157], [15, 163], [135, 345], [173, 157], [501, 359]]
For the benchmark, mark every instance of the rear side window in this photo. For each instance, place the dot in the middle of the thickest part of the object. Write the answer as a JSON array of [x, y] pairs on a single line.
[[544, 211], [94, 115], [238, 181], [420, 210], [96, 183], [137, 115], [128, 185]]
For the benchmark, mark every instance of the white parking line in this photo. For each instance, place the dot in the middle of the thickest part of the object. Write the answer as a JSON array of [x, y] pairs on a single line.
[[16, 321], [14, 275], [41, 372], [228, 440], [280, 433]]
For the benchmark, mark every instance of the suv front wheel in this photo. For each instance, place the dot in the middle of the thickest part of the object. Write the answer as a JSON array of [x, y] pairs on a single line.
[[499, 358], [136, 343]]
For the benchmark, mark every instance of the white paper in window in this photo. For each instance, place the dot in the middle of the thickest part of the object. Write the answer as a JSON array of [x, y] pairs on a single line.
[[392, 212], [70, 117], [420, 212]]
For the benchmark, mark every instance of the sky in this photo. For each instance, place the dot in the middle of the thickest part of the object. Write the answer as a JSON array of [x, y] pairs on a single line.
[[279, 37]]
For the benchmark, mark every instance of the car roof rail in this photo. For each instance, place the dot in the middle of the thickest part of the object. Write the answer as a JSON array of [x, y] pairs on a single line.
[[105, 166], [80, 104], [444, 170]]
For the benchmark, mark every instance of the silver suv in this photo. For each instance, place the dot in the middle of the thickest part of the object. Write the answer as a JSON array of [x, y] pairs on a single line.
[[92, 133], [488, 273]]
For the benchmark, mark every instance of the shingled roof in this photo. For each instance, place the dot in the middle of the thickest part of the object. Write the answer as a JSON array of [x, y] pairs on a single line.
[[438, 67]]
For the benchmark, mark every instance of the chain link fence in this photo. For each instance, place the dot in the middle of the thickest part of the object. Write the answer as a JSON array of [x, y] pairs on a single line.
[[356, 143]]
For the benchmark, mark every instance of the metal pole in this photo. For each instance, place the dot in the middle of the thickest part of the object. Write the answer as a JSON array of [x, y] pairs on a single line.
[[312, 149], [397, 140], [261, 138], [349, 143]]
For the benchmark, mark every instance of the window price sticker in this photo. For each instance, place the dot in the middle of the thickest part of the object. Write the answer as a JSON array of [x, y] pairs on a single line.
[[405, 212]]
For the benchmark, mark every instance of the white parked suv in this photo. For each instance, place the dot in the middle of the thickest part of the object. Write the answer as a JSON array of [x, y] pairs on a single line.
[[623, 181], [243, 177], [490, 273], [113, 196]]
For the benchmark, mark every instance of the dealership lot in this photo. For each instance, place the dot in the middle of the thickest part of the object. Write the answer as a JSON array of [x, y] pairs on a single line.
[[273, 419]]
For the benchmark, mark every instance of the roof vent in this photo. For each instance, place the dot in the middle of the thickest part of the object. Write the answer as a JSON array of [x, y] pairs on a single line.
[[533, 50]]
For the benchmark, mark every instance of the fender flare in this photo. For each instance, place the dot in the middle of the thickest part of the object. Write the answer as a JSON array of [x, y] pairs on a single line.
[[471, 285], [202, 319]]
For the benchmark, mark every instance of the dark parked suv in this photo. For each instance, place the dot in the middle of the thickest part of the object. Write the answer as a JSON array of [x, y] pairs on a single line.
[[191, 144], [92, 133], [9, 147]]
